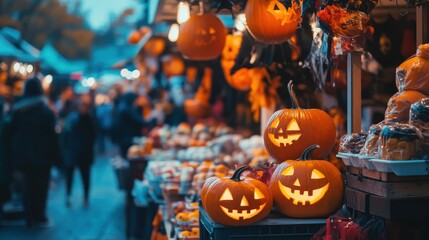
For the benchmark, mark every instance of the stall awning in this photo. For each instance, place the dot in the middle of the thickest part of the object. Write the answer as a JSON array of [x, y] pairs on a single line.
[[13, 46]]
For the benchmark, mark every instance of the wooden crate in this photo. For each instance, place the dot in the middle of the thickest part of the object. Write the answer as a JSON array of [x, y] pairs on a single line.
[[387, 195]]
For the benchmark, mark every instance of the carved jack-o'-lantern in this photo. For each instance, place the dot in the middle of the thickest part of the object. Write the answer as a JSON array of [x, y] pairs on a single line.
[[269, 21], [173, 65], [201, 37], [306, 188], [236, 202], [289, 131], [154, 46]]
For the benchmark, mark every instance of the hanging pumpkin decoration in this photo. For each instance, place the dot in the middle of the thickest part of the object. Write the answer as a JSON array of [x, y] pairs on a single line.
[[199, 106], [135, 37], [240, 80], [270, 21], [235, 202], [154, 46], [201, 37], [307, 188], [173, 65], [288, 131]]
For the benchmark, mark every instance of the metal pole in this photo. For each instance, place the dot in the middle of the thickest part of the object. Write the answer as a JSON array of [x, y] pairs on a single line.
[[354, 99]]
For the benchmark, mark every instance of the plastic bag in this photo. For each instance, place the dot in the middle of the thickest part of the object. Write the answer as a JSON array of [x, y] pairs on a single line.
[[413, 73], [398, 107], [352, 143], [400, 141], [372, 143], [419, 117]]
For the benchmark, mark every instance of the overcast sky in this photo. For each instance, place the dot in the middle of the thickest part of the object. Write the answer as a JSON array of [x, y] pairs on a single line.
[[99, 11]]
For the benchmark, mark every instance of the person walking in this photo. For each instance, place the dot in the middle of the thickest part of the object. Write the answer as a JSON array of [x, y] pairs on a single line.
[[77, 141], [34, 148]]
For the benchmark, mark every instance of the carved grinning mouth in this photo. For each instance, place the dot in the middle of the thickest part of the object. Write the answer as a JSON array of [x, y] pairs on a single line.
[[306, 196], [242, 215]]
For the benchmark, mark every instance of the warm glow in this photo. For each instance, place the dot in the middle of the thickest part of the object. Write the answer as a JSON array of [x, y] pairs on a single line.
[[240, 22], [258, 194], [244, 202], [183, 12], [30, 68], [16, 66], [242, 215], [280, 140], [48, 79], [226, 195], [305, 197], [288, 171], [316, 174], [90, 82], [136, 74], [173, 33], [124, 72]]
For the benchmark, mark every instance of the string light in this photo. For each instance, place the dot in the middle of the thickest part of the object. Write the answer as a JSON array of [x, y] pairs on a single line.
[[183, 12], [173, 33]]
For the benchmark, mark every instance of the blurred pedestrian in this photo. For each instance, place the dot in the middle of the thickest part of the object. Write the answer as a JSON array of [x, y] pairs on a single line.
[[34, 148], [77, 141], [104, 119], [128, 123]]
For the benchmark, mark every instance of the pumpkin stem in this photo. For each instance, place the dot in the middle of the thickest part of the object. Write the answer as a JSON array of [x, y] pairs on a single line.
[[306, 154], [292, 95], [238, 172]]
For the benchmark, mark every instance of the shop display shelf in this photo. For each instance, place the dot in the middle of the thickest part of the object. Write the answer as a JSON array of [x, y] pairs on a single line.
[[275, 226]]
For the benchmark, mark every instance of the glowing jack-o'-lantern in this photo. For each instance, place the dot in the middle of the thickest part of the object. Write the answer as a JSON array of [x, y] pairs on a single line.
[[201, 37], [269, 21], [289, 131], [236, 202], [306, 188]]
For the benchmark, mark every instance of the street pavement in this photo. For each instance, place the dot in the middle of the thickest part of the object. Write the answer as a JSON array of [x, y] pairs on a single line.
[[103, 219]]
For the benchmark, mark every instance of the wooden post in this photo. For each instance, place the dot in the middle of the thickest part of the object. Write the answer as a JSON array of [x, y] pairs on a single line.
[[354, 101], [422, 20]]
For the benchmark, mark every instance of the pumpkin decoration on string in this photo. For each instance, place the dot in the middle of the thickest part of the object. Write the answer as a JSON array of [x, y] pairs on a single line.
[[289, 131], [154, 46], [271, 21], [232, 201], [135, 37], [201, 37], [199, 106], [241, 79], [173, 65], [307, 188]]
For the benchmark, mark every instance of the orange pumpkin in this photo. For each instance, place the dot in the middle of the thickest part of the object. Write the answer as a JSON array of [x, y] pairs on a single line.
[[269, 21], [196, 109], [307, 188], [235, 202], [154, 46], [173, 65], [398, 107], [413, 74], [201, 37], [232, 47], [289, 131], [241, 80], [134, 37]]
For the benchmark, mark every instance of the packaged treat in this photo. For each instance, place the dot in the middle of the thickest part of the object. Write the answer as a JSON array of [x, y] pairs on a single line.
[[419, 117], [413, 73], [400, 142], [398, 107], [372, 142], [352, 143]]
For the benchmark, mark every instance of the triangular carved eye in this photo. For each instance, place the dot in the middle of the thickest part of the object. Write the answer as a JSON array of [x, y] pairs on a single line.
[[316, 174], [226, 195], [212, 30], [288, 171], [258, 194], [244, 202]]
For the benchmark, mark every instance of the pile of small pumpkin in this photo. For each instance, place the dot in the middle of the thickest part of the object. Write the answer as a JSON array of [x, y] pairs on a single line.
[[186, 220], [300, 188]]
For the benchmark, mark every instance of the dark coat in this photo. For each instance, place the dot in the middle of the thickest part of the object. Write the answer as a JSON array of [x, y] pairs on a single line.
[[77, 140], [128, 122], [33, 140]]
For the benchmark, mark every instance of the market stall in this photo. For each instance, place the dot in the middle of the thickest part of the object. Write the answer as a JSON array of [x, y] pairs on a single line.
[[215, 182]]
